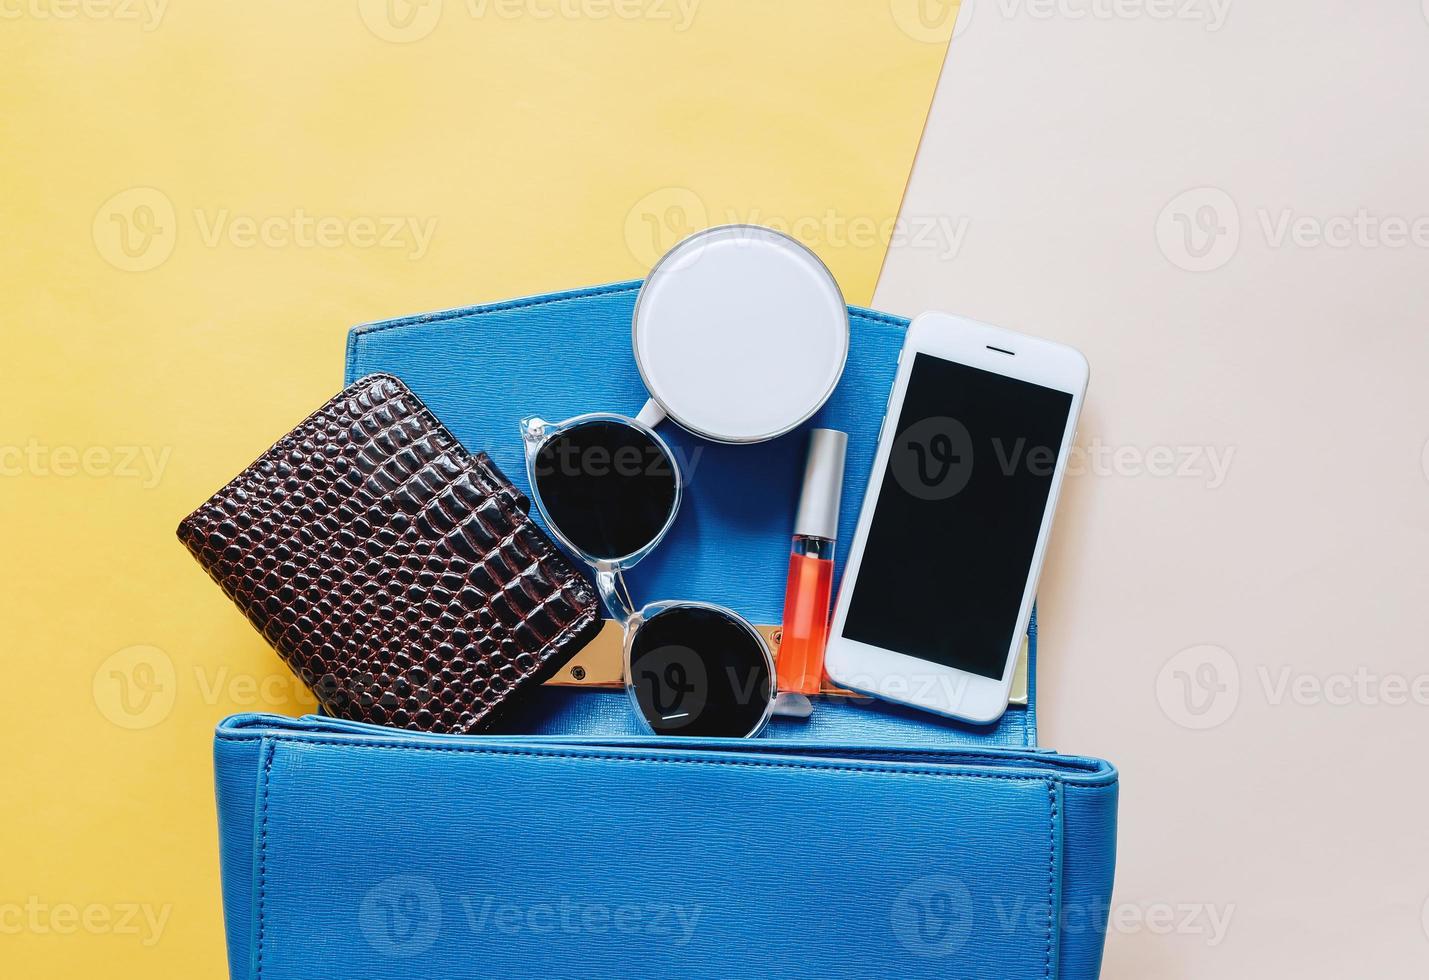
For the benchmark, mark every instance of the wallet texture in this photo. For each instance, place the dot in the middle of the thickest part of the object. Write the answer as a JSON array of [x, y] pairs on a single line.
[[398, 575], [356, 852]]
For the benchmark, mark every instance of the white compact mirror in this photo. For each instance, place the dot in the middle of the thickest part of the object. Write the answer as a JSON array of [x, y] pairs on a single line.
[[740, 334]]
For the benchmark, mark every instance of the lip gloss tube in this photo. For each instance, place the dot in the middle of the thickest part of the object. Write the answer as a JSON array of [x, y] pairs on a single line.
[[809, 592]]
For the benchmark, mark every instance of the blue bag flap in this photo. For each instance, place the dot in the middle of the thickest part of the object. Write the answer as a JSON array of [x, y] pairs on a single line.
[[363, 853], [482, 369]]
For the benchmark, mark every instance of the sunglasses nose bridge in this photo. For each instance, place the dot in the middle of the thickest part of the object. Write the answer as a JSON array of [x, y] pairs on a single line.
[[616, 596]]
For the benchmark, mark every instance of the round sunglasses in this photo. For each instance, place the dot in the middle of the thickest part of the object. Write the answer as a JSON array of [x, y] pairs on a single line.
[[609, 488]]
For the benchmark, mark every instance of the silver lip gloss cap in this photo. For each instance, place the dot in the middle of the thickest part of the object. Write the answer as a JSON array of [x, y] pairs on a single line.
[[818, 514]]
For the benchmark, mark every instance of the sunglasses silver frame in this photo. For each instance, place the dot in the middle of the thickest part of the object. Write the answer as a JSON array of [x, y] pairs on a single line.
[[609, 580]]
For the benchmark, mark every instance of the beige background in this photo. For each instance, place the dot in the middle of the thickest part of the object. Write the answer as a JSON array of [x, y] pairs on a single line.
[[1244, 642]]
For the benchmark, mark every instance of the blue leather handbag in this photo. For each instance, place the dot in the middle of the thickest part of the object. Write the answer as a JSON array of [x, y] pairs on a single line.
[[867, 840]]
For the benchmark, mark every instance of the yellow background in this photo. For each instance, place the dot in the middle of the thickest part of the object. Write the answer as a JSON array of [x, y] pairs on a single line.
[[197, 202]]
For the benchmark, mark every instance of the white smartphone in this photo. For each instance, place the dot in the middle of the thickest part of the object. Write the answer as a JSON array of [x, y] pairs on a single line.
[[943, 567]]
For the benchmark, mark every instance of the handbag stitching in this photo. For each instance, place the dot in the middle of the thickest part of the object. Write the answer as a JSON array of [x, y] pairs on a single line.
[[270, 741], [664, 759], [263, 856], [1109, 777], [1051, 874], [907, 756]]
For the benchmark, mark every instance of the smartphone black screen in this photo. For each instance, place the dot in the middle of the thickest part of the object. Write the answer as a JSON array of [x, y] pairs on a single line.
[[960, 504]]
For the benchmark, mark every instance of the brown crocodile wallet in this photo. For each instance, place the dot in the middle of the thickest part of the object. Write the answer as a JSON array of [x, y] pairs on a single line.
[[398, 575]]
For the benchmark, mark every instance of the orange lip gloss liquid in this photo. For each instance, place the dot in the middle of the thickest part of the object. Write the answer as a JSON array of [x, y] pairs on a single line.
[[809, 591]]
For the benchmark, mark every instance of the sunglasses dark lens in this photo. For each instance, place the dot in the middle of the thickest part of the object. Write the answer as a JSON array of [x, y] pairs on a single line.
[[607, 486], [699, 672]]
